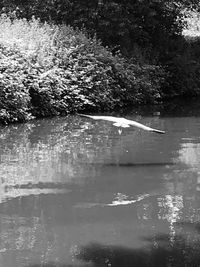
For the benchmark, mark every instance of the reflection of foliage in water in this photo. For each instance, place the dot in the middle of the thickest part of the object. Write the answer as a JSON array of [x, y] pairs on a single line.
[[43, 225], [51, 151]]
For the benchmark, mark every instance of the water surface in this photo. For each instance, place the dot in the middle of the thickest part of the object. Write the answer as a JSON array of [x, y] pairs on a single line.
[[76, 193]]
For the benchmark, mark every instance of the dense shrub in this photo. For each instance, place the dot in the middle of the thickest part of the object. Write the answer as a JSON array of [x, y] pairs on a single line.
[[14, 96], [148, 23], [49, 70], [184, 70], [143, 84]]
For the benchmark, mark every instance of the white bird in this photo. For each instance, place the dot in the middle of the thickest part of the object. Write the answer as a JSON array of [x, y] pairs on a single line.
[[124, 123]]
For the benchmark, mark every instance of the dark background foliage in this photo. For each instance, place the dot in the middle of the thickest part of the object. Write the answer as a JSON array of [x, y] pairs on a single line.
[[149, 58], [147, 23]]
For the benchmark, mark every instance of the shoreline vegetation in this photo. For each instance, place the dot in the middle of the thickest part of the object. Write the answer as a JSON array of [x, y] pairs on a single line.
[[49, 69]]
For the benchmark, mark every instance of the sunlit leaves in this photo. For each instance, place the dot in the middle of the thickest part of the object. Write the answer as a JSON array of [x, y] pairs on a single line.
[[48, 70]]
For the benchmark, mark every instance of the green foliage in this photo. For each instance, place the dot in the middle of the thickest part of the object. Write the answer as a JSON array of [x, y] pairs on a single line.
[[143, 84], [49, 70], [184, 69], [14, 96], [147, 23]]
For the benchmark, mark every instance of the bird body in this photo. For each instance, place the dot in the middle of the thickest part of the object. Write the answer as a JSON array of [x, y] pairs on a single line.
[[124, 123]]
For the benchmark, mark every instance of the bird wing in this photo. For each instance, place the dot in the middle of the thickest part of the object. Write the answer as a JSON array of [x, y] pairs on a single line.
[[122, 122], [144, 127], [106, 118]]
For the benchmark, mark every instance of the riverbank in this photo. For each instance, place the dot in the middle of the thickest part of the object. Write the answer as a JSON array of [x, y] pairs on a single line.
[[49, 70]]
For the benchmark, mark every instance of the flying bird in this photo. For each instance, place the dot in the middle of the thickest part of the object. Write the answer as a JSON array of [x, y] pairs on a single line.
[[124, 123]]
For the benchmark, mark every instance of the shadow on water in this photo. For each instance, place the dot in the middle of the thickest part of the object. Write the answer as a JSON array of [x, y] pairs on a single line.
[[161, 250], [62, 265], [138, 164], [177, 107]]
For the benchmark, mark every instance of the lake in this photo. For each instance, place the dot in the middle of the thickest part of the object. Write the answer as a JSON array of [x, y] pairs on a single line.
[[74, 192]]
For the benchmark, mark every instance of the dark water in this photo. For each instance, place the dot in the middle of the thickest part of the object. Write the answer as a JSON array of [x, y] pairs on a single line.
[[76, 193]]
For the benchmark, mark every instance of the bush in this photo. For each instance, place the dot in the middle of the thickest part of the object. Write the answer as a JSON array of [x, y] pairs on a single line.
[[151, 23], [49, 70], [184, 70], [14, 96], [143, 84]]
